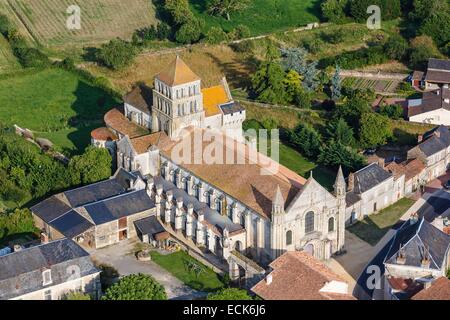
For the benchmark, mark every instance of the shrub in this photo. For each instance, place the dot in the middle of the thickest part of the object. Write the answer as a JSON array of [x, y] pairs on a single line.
[[393, 111], [422, 48], [216, 35], [136, 287], [116, 54], [240, 32], [230, 294], [190, 32]]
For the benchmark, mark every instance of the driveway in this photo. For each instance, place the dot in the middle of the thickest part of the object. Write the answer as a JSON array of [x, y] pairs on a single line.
[[121, 256]]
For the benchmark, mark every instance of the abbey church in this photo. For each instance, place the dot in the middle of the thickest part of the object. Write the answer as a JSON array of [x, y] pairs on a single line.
[[244, 213]]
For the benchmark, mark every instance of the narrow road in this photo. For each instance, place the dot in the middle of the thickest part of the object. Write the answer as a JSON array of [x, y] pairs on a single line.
[[436, 204]]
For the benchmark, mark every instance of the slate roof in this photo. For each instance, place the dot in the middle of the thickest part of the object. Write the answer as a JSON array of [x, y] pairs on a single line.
[[431, 101], [369, 177], [21, 272], [351, 198], [149, 225], [414, 238], [120, 206], [141, 98], [439, 64], [435, 140], [94, 192], [232, 107], [50, 208], [71, 224]]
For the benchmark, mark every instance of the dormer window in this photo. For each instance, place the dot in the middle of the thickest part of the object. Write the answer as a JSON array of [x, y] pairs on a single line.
[[46, 277]]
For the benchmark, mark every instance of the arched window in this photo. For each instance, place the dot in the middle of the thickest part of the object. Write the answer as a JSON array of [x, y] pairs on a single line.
[[309, 222], [289, 238], [331, 224]]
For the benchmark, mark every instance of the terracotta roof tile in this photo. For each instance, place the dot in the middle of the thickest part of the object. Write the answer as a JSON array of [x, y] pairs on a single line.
[[116, 121], [297, 275], [439, 290], [103, 134], [177, 73], [412, 168]]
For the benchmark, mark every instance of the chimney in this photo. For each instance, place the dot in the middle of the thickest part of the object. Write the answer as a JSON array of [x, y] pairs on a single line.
[[414, 218], [18, 247], [269, 279], [419, 138], [425, 262], [381, 162], [351, 182], [437, 133], [44, 237]]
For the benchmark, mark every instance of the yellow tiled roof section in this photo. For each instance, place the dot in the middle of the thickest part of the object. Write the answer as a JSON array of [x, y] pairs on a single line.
[[212, 98], [177, 73]]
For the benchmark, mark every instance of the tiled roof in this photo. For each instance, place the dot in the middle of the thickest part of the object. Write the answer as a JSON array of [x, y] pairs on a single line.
[[213, 97], [103, 134], [412, 168], [417, 75], [244, 182], [141, 98], [396, 169], [21, 272], [413, 239], [438, 76], [369, 177], [439, 290], [115, 120], [298, 276], [177, 73], [405, 288]]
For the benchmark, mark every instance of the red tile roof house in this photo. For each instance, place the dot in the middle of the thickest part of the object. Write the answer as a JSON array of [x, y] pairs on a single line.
[[297, 275], [438, 290]]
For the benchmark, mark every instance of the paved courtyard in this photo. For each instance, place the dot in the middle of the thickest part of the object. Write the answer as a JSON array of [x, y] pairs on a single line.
[[121, 257]]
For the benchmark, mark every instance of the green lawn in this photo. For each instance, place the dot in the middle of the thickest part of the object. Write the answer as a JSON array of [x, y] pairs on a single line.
[[264, 16], [8, 62], [176, 264], [56, 104], [372, 228]]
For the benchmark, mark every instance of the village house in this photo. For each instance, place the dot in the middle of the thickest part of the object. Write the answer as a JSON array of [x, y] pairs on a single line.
[[433, 150], [418, 255], [246, 213], [48, 272], [299, 276], [99, 214], [436, 75], [437, 290], [433, 107], [371, 189]]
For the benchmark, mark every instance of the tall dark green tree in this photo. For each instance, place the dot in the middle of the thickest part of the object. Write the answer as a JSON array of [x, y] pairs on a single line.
[[296, 59], [339, 131], [335, 154], [92, 166], [307, 139], [267, 81], [336, 84], [375, 130]]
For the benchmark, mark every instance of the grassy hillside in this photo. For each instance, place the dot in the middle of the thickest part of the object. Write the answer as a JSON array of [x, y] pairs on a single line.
[[8, 62], [264, 16], [101, 20], [55, 104]]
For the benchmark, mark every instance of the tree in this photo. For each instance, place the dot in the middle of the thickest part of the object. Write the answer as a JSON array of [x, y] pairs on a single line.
[[393, 111], [335, 154], [390, 9], [339, 131], [437, 27], [267, 82], [20, 221], [336, 84], [224, 8], [295, 59], [190, 32], [292, 84], [396, 47], [179, 11], [230, 294], [92, 166], [240, 32], [136, 287], [333, 10], [307, 139], [116, 54], [375, 130], [352, 111], [422, 48]]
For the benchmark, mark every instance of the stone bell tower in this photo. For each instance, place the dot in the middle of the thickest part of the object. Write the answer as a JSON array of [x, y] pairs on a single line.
[[277, 223], [177, 99]]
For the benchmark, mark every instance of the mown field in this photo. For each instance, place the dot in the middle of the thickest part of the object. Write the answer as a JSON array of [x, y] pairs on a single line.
[[101, 20], [56, 104], [8, 62], [264, 16]]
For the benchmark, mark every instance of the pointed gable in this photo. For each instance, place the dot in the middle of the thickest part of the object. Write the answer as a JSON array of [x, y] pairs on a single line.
[[177, 73]]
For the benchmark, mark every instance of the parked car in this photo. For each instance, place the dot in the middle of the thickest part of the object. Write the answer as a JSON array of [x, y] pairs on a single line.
[[447, 185]]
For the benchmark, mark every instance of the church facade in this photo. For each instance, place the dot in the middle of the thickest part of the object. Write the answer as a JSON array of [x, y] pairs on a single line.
[[242, 212]]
